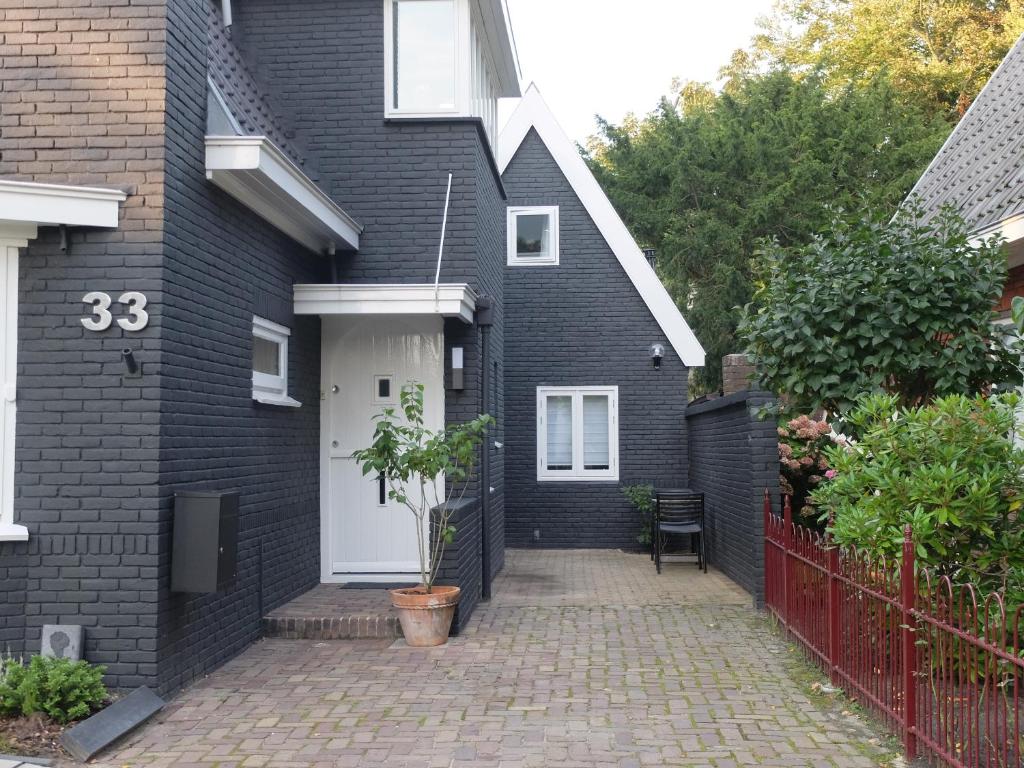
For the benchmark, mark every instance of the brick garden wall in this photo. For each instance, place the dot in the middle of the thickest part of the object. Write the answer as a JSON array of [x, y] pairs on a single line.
[[81, 102], [582, 323], [733, 458]]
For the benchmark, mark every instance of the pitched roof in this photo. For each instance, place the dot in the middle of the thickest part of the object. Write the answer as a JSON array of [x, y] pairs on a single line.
[[242, 95], [980, 168], [532, 112]]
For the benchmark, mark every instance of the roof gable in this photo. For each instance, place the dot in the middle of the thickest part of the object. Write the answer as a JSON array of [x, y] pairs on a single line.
[[980, 168], [533, 112]]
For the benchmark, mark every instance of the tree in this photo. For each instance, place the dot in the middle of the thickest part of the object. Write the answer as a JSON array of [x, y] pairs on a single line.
[[704, 179], [873, 305], [938, 53]]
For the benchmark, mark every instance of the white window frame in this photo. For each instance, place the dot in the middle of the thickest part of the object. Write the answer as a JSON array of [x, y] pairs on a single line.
[[514, 259], [578, 473], [462, 86], [268, 388]]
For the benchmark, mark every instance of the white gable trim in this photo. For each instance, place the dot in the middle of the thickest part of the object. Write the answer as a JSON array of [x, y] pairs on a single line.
[[532, 112]]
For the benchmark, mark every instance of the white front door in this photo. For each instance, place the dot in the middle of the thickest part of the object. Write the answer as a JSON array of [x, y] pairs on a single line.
[[366, 360], [8, 374]]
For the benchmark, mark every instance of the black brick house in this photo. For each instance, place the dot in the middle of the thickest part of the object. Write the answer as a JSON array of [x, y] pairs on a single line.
[[219, 257]]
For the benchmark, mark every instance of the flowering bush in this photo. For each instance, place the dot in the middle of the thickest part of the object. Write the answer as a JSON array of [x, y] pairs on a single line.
[[802, 462], [950, 470]]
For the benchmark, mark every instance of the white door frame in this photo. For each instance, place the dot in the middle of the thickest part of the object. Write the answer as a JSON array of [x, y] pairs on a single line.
[[327, 574], [12, 237]]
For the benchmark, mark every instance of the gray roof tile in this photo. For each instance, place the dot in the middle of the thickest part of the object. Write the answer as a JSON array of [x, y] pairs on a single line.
[[243, 96], [980, 168]]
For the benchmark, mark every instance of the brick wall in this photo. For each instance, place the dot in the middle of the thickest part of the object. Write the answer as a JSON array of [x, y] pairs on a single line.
[[222, 265], [733, 458], [323, 64], [1014, 287], [81, 101], [582, 323]]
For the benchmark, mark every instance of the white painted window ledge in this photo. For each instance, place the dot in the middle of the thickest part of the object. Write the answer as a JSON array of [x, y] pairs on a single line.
[[11, 532], [268, 399]]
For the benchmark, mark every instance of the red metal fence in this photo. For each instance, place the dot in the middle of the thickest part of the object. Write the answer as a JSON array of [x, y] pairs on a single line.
[[939, 665]]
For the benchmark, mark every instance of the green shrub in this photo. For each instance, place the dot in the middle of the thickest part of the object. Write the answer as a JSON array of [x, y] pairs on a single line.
[[63, 689], [641, 496], [951, 470]]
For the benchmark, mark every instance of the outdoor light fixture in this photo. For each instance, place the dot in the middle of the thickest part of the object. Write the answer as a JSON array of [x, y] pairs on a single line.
[[457, 368], [130, 363], [657, 352]]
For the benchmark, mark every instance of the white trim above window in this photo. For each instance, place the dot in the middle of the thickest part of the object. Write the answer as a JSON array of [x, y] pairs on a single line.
[[577, 433], [270, 363], [539, 244]]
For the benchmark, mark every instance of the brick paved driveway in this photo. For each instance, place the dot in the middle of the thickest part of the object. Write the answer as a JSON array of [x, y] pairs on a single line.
[[583, 658]]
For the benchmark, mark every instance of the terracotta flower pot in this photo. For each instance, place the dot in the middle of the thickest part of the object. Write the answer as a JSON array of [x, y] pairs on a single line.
[[425, 616]]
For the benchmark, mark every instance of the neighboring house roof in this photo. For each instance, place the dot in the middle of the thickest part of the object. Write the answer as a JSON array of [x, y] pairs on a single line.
[[980, 168], [241, 94], [532, 112]]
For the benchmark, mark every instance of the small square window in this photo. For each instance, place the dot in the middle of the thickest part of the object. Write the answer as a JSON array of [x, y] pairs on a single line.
[[270, 363], [533, 235], [383, 388]]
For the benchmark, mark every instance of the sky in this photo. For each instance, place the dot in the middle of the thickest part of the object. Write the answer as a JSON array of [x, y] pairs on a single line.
[[611, 58]]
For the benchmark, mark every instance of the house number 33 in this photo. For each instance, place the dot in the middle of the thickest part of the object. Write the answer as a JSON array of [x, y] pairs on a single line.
[[101, 318]]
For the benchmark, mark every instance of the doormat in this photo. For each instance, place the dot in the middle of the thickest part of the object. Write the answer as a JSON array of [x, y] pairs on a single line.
[[377, 585]]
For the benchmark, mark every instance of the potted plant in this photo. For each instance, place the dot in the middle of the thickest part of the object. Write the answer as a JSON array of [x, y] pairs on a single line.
[[427, 471]]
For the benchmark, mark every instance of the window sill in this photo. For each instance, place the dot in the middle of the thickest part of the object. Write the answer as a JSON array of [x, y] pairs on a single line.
[[278, 400], [11, 532], [607, 479]]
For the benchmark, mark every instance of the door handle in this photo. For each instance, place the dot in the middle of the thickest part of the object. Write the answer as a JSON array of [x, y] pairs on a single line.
[[10, 392]]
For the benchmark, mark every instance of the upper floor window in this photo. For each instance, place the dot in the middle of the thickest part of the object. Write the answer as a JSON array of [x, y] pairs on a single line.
[[443, 58], [424, 42], [533, 235]]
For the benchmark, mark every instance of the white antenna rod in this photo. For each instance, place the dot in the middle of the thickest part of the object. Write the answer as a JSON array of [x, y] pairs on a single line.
[[440, 248]]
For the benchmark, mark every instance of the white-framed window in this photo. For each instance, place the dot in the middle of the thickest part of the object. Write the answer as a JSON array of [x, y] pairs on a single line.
[[270, 363], [577, 433], [532, 235], [437, 62], [423, 40]]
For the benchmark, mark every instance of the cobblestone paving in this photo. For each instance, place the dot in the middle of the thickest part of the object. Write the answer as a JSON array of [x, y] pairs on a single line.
[[583, 658]]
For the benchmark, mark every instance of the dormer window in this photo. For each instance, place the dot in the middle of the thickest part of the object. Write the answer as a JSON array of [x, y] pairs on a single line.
[[448, 58], [423, 55]]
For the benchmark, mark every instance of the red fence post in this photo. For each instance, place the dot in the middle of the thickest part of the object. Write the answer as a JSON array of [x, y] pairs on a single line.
[[834, 611], [787, 546], [908, 597]]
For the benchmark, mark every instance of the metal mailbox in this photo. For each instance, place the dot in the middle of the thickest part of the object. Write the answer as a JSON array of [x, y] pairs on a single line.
[[204, 554]]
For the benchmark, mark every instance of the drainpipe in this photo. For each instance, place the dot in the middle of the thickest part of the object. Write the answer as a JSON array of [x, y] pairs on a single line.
[[484, 320]]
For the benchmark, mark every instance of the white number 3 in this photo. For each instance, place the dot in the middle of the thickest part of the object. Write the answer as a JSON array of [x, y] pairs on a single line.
[[101, 319], [136, 303], [100, 308]]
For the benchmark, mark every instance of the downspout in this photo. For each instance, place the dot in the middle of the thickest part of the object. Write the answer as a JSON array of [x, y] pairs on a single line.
[[484, 320]]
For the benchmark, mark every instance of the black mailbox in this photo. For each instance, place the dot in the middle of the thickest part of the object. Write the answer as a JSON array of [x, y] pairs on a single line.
[[204, 557]]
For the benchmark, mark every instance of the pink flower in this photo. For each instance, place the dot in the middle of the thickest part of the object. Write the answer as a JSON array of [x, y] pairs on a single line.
[[830, 474]]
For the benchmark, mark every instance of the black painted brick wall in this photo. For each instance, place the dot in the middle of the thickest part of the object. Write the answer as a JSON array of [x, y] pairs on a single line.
[[734, 457], [322, 63], [582, 323], [222, 265]]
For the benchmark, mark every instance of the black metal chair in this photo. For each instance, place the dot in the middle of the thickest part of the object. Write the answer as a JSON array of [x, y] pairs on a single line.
[[679, 513]]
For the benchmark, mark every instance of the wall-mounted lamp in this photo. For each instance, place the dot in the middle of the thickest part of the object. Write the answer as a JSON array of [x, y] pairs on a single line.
[[657, 353], [130, 363], [457, 368]]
